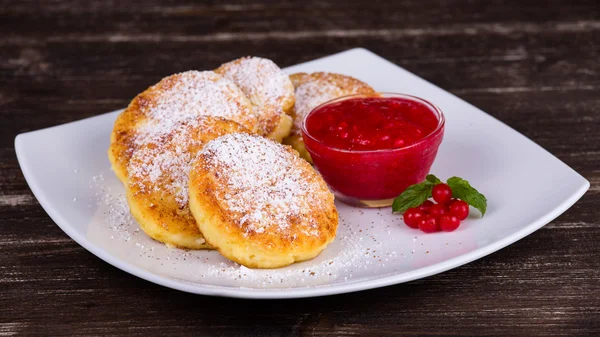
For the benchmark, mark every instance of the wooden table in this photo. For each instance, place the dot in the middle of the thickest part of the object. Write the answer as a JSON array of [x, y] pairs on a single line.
[[535, 65]]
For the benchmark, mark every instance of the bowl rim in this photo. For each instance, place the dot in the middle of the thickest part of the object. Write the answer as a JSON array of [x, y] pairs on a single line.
[[434, 108]]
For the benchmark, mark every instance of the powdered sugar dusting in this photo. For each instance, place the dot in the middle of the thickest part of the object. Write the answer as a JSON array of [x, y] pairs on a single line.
[[263, 183], [267, 86], [163, 144], [164, 161], [114, 209], [194, 93], [309, 96]]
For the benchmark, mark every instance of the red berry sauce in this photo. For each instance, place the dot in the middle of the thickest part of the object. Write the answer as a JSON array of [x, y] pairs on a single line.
[[372, 123], [373, 148]]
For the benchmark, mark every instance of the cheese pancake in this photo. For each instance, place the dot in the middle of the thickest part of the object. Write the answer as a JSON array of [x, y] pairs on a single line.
[[268, 88], [175, 98], [259, 203], [157, 188]]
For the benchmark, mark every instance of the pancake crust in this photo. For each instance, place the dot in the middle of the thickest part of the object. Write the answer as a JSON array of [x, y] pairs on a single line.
[[259, 203], [268, 88], [175, 98], [313, 90], [157, 191]]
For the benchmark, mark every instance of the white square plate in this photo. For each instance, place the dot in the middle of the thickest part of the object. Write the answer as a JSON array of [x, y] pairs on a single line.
[[68, 171]]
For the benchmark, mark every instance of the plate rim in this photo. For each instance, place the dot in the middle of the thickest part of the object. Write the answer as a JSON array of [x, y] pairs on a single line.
[[299, 292]]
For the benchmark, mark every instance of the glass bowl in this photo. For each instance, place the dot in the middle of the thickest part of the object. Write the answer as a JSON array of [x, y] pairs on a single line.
[[373, 178]]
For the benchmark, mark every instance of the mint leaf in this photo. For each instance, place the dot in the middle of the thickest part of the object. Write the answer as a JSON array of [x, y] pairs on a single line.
[[462, 190], [413, 196], [433, 179]]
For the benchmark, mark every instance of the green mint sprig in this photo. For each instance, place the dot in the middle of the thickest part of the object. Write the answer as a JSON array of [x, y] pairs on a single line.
[[461, 189], [415, 194]]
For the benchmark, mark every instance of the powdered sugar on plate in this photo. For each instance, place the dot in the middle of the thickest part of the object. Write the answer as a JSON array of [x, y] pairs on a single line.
[[359, 247]]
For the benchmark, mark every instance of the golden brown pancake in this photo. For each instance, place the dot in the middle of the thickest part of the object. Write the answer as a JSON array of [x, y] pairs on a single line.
[[313, 90], [157, 188], [259, 203], [175, 98], [268, 88]]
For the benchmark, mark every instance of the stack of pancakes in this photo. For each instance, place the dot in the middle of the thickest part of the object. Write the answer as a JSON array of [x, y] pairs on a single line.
[[200, 157]]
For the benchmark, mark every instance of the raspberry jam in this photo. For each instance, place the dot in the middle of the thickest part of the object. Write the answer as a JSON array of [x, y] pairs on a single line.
[[369, 149]]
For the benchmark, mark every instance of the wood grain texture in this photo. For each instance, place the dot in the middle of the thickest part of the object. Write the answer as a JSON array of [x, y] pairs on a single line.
[[532, 64]]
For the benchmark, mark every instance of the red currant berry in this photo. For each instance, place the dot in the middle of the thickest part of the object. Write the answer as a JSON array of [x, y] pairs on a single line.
[[412, 216], [429, 224], [459, 209], [441, 193], [450, 202], [425, 206], [448, 223], [438, 210]]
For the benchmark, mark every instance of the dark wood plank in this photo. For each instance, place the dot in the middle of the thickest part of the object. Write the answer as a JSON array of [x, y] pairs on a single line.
[[80, 19], [532, 64]]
